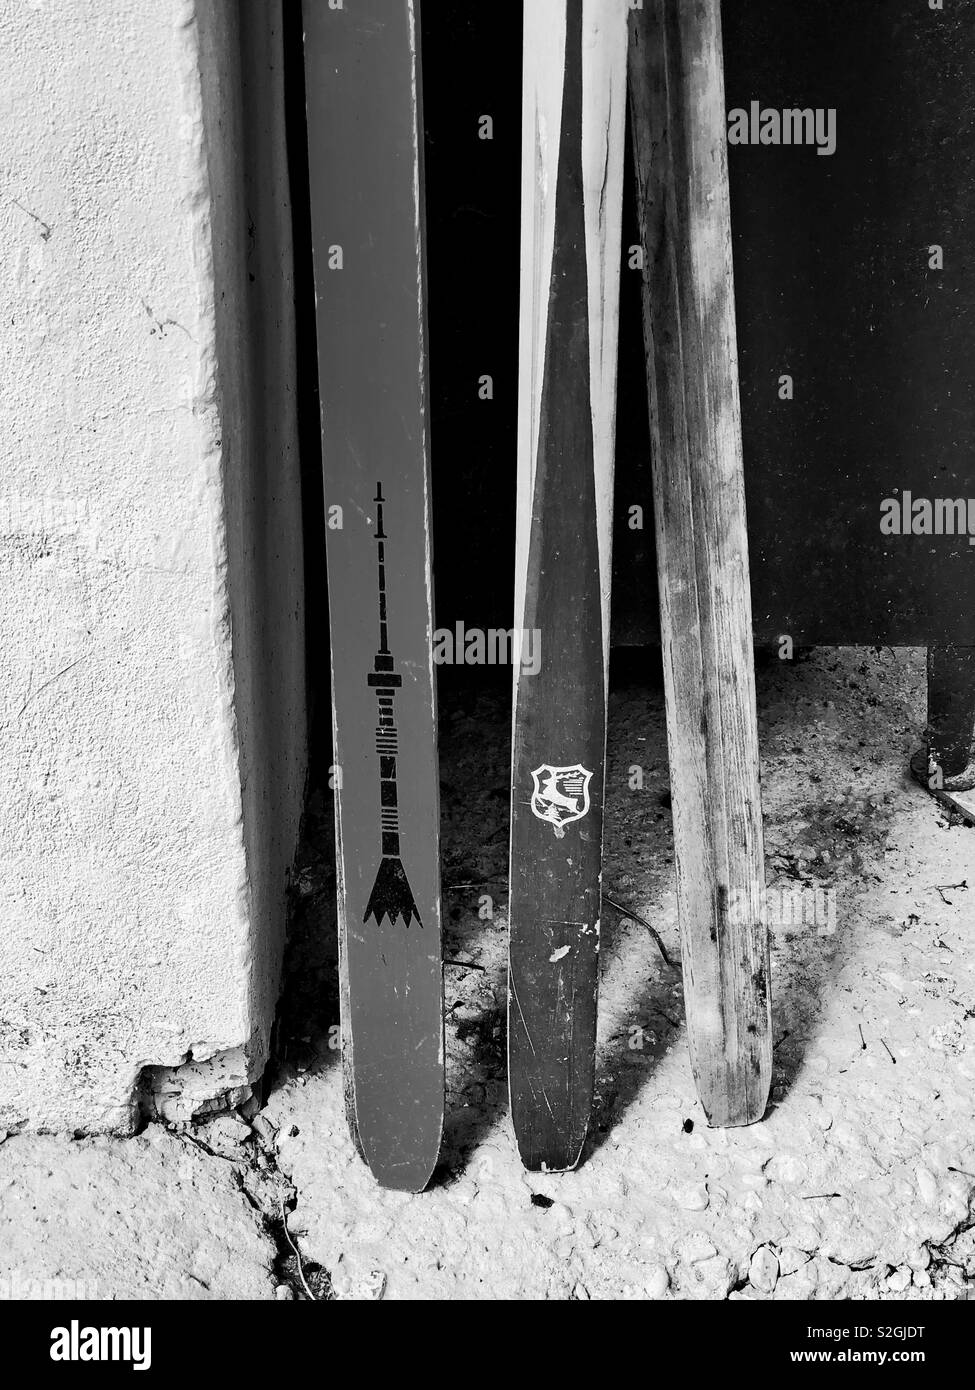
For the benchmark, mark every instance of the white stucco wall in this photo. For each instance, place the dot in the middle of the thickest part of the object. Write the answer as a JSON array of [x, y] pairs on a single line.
[[152, 735]]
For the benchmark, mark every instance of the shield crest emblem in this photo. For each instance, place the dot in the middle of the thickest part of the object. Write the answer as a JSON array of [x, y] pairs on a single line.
[[560, 794]]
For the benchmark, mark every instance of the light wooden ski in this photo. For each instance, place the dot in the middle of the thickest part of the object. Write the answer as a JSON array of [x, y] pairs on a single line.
[[572, 174], [365, 158], [679, 132]]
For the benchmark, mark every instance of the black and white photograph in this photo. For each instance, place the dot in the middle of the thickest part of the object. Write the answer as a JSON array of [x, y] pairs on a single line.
[[487, 625]]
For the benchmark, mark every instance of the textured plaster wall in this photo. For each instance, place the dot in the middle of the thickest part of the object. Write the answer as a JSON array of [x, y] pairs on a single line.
[[152, 728]]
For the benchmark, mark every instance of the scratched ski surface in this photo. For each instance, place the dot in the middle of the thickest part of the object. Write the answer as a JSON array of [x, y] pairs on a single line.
[[572, 175], [365, 158], [678, 111]]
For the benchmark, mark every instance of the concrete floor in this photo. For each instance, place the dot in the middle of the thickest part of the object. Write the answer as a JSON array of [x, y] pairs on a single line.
[[858, 1184]]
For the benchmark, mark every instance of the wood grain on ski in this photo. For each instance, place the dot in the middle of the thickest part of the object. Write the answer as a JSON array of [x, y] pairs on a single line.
[[679, 131], [572, 168], [365, 158]]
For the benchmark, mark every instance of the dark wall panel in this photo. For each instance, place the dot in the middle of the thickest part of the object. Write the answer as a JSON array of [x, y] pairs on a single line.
[[833, 287]]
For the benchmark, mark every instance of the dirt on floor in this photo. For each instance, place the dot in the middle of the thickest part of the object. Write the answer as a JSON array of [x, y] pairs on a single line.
[[860, 1181]]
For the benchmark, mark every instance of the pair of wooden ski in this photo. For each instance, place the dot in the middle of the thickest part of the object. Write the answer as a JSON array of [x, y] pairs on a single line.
[[365, 146]]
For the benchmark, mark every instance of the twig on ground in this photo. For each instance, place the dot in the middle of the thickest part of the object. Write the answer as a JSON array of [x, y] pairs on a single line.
[[297, 1253], [672, 1021], [635, 917], [942, 888]]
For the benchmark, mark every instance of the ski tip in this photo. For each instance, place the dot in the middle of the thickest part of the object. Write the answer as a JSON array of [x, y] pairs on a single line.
[[550, 1124], [721, 1116], [738, 1095], [401, 1148], [397, 1173], [542, 1152], [392, 1180], [553, 1164], [402, 1151]]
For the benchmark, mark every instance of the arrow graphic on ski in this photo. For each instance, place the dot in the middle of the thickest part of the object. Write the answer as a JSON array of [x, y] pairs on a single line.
[[363, 90], [572, 170]]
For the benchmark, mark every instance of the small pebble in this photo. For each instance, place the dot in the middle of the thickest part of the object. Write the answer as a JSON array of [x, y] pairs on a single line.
[[717, 1276], [927, 1185], [263, 1127], [899, 1280], [763, 1271], [791, 1259], [373, 1286], [283, 1294], [692, 1198], [658, 1282], [560, 1219], [785, 1168], [697, 1248]]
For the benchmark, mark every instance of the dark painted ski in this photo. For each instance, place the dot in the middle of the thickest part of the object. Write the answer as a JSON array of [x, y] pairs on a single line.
[[572, 171], [365, 157]]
